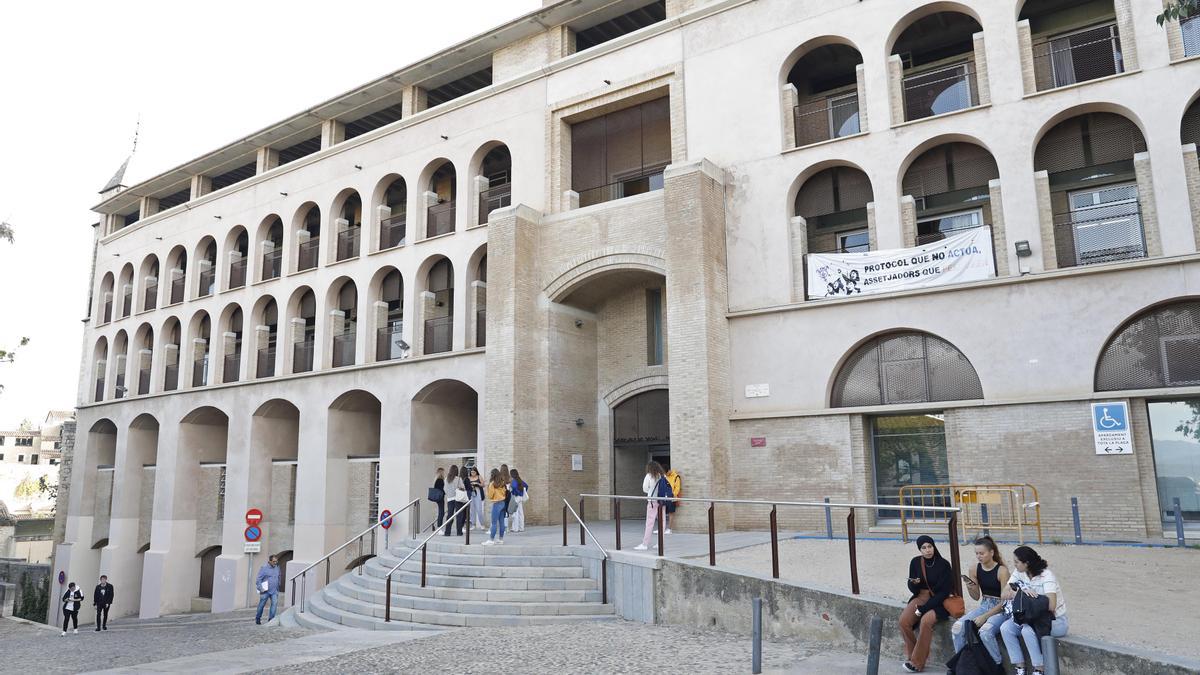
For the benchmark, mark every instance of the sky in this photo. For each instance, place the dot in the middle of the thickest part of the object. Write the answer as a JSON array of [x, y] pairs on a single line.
[[75, 78]]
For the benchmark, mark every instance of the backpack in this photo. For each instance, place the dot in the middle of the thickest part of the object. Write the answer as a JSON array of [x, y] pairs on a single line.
[[663, 489], [676, 482], [973, 658]]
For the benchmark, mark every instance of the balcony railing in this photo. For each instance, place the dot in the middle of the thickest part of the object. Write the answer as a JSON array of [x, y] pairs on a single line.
[[937, 92], [481, 328], [177, 286], [107, 311], [1190, 27], [1099, 234], [440, 219], [388, 343], [233, 364], [494, 198], [347, 243], [200, 371], [171, 377], [143, 382], [127, 303], [1078, 57], [302, 357], [832, 117], [438, 334], [119, 390], [272, 262], [392, 231], [266, 362], [237, 273], [151, 299], [308, 254], [627, 187], [343, 349], [100, 389], [208, 280]]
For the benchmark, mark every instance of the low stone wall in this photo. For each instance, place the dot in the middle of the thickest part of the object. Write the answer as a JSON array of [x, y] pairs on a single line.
[[703, 597]]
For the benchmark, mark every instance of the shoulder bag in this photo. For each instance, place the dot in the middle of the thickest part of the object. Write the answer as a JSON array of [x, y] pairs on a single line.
[[953, 604]]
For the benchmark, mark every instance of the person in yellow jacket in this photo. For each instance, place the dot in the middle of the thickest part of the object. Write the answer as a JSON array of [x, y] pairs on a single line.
[[676, 483], [497, 493]]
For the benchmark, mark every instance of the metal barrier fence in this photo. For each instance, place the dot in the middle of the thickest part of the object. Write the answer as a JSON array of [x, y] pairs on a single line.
[[1000, 506]]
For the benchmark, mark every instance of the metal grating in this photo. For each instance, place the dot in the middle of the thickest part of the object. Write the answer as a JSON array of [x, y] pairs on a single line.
[[833, 190], [1088, 140], [174, 199], [620, 25], [1159, 348], [302, 149], [460, 87], [1189, 131], [949, 167], [907, 367], [232, 176], [375, 120]]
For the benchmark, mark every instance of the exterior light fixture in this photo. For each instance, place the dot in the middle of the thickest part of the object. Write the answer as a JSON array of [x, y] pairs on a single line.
[[608, 82], [1023, 249], [283, 194], [578, 421], [358, 166], [579, 323], [445, 137], [217, 217]]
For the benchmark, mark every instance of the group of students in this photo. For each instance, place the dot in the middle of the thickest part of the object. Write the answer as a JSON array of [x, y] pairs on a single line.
[[1020, 606], [505, 491], [102, 599], [661, 488]]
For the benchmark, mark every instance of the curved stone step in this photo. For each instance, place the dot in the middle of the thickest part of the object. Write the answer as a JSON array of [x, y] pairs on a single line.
[[413, 588], [331, 607], [475, 571], [511, 546], [491, 583], [481, 607], [490, 556]]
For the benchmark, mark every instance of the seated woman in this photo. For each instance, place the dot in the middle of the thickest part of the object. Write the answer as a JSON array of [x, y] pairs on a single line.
[[984, 584], [1033, 579], [930, 579]]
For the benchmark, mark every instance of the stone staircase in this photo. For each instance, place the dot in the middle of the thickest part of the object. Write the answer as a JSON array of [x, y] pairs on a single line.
[[506, 585]]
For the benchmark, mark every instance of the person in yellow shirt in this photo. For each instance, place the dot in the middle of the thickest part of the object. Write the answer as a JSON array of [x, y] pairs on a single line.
[[497, 494]]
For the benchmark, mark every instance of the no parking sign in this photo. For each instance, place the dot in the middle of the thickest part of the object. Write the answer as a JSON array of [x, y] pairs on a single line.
[[385, 519]]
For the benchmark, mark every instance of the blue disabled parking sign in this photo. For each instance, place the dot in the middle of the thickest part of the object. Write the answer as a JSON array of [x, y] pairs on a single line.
[[1110, 426]]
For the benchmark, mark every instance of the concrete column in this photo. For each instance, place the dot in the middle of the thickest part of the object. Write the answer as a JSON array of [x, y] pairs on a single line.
[[147, 207], [262, 340], [570, 200], [172, 533], [230, 588], [860, 78], [145, 362], [1191, 173], [201, 185], [872, 228], [908, 221], [289, 348], [1125, 28], [895, 73], [75, 556], [199, 349], [424, 311], [119, 559], [268, 158], [398, 484], [428, 199], [1041, 183], [697, 331], [332, 133], [412, 101], [790, 99], [1025, 51], [478, 296], [379, 312], [336, 326], [999, 235], [321, 478], [981, 70], [479, 185], [373, 235], [1145, 186], [462, 305], [798, 238]]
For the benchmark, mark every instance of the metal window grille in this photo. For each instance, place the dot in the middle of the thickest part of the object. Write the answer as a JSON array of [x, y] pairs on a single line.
[[936, 92], [392, 232], [1078, 56], [373, 504], [908, 367], [1103, 225], [347, 243], [1086, 141], [1190, 27], [1159, 348], [826, 118], [221, 495]]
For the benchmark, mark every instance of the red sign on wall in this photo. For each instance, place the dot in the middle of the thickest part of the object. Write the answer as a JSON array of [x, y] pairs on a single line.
[[254, 517], [758, 441]]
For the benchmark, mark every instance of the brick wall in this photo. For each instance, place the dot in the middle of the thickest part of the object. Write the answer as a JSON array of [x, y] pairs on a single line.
[[64, 481]]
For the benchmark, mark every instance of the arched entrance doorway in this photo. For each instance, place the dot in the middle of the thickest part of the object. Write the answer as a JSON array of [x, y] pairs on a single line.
[[641, 433], [208, 562]]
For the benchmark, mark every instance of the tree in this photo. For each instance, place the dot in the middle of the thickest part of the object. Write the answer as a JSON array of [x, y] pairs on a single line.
[[6, 231], [26, 489], [1176, 10], [34, 599], [50, 490], [9, 355]]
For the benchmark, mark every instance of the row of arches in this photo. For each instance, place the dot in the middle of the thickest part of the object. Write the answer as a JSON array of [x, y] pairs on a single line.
[[277, 246], [350, 323]]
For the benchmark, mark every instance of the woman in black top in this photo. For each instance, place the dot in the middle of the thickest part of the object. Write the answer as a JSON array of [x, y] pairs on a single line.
[[984, 584], [931, 580]]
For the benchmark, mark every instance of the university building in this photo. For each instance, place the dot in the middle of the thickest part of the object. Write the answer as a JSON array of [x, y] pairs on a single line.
[[724, 234]]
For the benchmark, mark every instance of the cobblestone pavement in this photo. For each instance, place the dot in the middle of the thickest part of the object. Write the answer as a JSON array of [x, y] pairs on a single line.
[[26, 648], [602, 647]]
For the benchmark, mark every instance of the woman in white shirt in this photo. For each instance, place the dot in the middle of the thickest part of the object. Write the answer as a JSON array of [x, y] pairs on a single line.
[[1033, 579], [654, 474]]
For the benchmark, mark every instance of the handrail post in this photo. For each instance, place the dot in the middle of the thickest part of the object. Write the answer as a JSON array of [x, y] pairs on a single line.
[[467, 530], [424, 549], [294, 592], [774, 542], [327, 571], [387, 600], [582, 541], [617, 513], [712, 535], [564, 523], [853, 553], [303, 590], [661, 528], [954, 561], [416, 519], [604, 581]]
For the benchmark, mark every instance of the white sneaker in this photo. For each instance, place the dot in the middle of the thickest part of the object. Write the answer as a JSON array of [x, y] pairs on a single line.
[[64, 634], [77, 631], [499, 541], [668, 530], [640, 547], [489, 542], [654, 532]]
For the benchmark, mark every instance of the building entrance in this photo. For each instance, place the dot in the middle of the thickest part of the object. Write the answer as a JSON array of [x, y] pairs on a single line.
[[1175, 437], [641, 433], [909, 450]]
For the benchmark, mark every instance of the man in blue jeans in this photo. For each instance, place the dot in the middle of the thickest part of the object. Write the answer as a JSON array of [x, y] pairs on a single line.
[[267, 583]]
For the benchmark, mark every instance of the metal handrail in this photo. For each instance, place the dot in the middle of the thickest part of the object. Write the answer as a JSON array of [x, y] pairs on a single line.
[[603, 562], [387, 607], [712, 541], [328, 556]]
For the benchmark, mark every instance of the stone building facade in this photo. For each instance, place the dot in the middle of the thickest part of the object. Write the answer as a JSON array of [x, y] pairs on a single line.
[[583, 241]]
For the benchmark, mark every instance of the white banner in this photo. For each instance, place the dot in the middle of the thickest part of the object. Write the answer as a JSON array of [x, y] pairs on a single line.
[[961, 257]]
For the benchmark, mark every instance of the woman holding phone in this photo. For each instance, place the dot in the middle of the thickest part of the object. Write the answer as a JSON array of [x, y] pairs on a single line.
[[930, 580], [984, 584], [1033, 579]]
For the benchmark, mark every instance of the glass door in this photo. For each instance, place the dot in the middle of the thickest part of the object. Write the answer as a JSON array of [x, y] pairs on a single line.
[[1175, 437], [908, 450]]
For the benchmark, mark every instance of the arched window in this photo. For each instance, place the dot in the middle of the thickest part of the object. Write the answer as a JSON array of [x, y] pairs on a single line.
[[906, 367], [824, 93], [938, 59], [1158, 348], [833, 204]]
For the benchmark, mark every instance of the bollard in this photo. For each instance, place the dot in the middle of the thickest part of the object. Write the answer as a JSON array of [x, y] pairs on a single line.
[[873, 645], [756, 654], [828, 521], [1179, 537], [1050, 655], [1075, 518], [983, 517]]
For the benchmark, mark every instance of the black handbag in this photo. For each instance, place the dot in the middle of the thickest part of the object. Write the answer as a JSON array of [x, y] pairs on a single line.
[[436, 494], [973, 658]]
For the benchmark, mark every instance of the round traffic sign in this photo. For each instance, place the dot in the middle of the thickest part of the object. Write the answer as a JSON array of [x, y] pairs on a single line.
[[254, 517], [62, 577], [385, 519], [253, 533]]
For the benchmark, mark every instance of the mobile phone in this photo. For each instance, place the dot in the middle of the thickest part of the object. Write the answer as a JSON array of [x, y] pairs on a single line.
[[967, 579]]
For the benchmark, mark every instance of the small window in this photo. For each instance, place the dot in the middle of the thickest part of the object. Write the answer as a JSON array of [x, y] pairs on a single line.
[[373, 506], [654, 331], [935, 228], [854, 241], [20, 459], [33, 459]]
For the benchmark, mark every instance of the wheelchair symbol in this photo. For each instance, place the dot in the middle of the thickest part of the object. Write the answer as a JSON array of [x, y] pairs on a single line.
[[1106, 421]]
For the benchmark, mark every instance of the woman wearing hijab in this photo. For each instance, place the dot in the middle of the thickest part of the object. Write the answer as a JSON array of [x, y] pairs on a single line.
[[931, 581]]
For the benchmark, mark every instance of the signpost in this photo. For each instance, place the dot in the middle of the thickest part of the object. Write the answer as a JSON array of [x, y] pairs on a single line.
[[385, 521], [252, 545], [254, 516]]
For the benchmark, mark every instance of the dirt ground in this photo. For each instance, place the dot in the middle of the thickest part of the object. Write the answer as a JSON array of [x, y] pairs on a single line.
[[1138, 597]]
